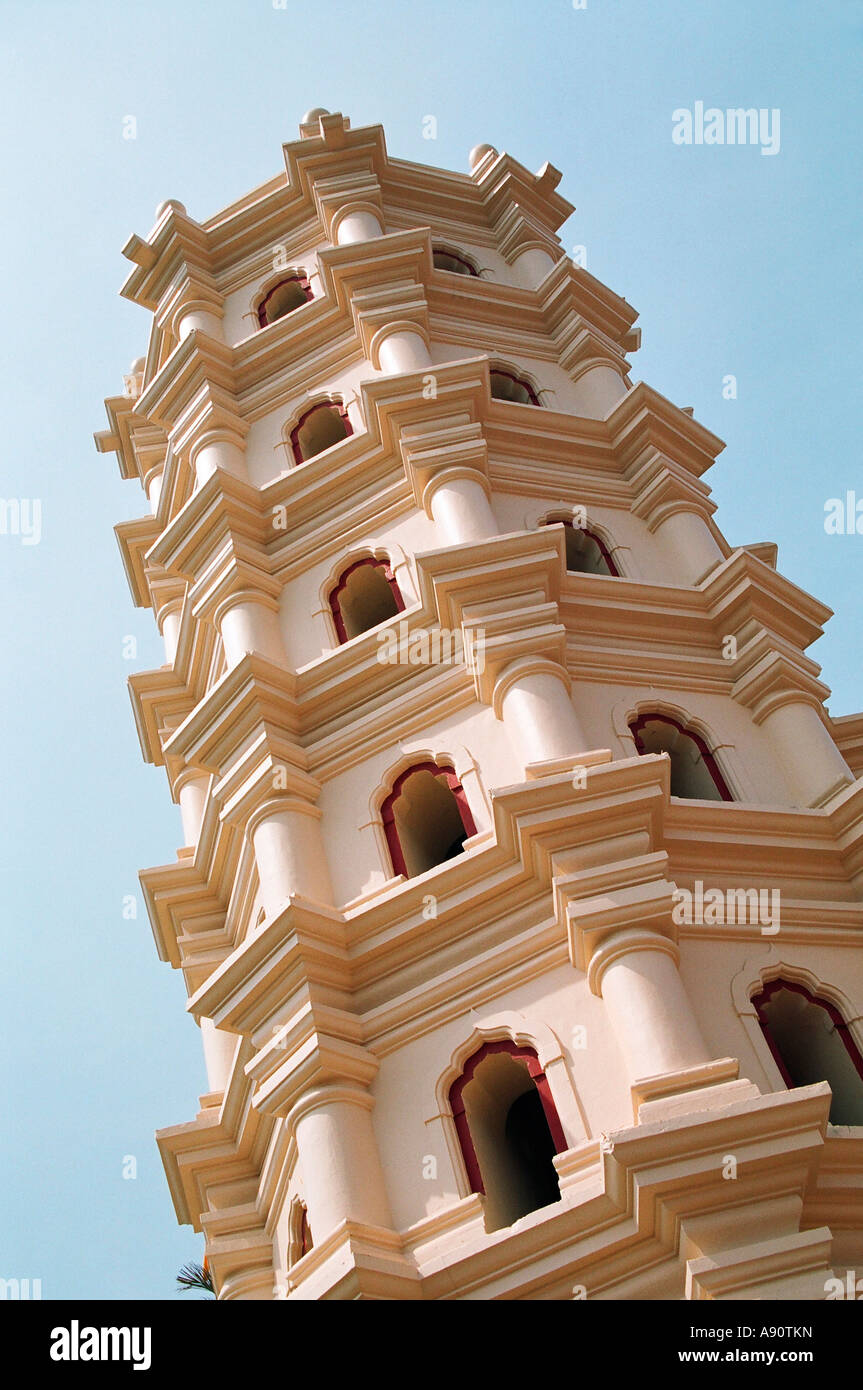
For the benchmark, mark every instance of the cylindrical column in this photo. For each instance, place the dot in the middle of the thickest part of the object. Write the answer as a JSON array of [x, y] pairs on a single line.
[[169, 622], [289, 853], [460, 507], [153, 485], [192, 796], [532, 699], [813, 765], [690, 545], [219, 1049], [598, 390], [403, 351], [636, 974], [359, 224], [218, 452], [532, 266], [250, 624], [338, 1157], [200, 318]]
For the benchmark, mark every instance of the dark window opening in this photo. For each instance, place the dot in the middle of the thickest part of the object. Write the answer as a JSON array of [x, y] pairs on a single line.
[[283, 298], [457, 265], [586, 553], [508, 1130], [366, 594], [695, 774], [810, 1042], [426, 819], [506, 387], [321, 427]]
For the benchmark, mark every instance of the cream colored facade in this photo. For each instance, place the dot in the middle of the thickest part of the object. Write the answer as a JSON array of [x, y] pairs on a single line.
[[339, 1002]]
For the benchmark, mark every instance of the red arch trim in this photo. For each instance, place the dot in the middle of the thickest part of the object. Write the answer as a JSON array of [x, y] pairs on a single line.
[[773, 987], [597, 540], [710, 762], [459, 1114], [335, 605], [519, 380], [300, 280], [322, 405], [388, 808]]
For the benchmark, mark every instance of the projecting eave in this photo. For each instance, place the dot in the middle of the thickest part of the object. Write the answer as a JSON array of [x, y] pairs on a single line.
[[744, 588], [645, 419], [117, 439], [175, 241], [848, 732]]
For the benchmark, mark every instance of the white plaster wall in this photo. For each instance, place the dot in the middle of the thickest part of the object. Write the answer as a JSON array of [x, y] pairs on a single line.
[[358, 862], [406, 1108]]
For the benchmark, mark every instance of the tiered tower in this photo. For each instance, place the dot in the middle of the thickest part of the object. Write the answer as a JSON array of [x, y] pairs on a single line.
[[520, 892]]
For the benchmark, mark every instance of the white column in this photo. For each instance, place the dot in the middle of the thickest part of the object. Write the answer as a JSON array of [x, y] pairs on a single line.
[[532, 266], [169, 620], [532, 699], [192, 796], [250, 624], [813, 766], [289, 853], [200, 318], [460, 507], [153, 486], [338, 1158], [403, 351], [598, 390], [636, 974], [219, 1049], [690, 545], [359, 225], [213, 453]]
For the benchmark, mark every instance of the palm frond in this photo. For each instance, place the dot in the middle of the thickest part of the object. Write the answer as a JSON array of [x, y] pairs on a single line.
[[195, 1276]]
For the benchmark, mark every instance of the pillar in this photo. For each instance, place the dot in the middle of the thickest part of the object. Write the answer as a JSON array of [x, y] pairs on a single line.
[[403, 350], [813, 766], [532, 266], [459, 505], [192, 795], [598, 389], [289, 853], [219, 1049], [338, 1157], [532, 698], [200, 318], [691, 545], [218, 451], [249, 622], [357, 224], [169, 624], [635, 972]]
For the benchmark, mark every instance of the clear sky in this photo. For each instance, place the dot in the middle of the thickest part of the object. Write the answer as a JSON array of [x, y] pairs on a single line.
[[739, 263]]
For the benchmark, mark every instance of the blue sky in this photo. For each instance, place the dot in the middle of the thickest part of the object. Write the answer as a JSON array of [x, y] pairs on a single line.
[[739, 264]]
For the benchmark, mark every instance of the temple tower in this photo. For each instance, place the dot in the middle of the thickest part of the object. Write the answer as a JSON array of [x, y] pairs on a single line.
[[519, 895]]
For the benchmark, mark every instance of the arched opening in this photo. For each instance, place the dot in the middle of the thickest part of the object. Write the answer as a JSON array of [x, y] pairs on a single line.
[[508, 1130], [506, 387], [366, 594], [321, 427], [283, 298], [811, 1042], [455, 263], [695, 774], [586, 552], [426, 818]]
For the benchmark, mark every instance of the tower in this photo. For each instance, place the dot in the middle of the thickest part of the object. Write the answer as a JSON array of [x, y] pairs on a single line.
[[520, 893]]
